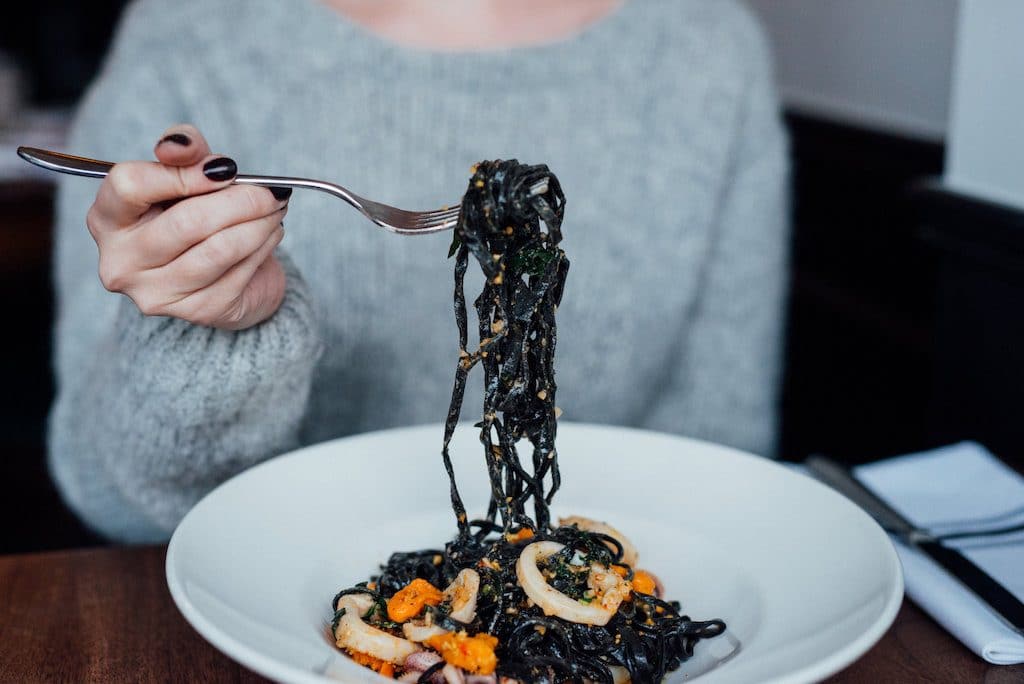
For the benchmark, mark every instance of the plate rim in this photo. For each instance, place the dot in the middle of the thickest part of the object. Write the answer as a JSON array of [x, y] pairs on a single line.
[[272, 668]]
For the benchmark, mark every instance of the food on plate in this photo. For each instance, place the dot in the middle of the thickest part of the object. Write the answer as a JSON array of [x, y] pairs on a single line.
[[514, 597]]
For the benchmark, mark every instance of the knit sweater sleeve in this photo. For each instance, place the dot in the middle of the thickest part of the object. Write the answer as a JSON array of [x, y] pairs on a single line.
[[153, 412], [726, 388]]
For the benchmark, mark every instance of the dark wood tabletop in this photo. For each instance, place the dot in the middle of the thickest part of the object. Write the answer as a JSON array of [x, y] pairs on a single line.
[[105, 615]]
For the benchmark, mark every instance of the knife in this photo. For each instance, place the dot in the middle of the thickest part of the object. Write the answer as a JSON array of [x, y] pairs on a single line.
[[1003, 603]]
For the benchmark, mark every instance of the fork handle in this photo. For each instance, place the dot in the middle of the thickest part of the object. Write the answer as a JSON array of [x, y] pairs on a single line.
[[97, 168], [65, 163]]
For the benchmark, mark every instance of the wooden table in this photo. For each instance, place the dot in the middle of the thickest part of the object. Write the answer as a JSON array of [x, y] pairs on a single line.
[[105, 615]]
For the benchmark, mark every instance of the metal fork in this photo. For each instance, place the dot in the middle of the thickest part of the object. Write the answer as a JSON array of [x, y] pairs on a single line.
[[387, 217]]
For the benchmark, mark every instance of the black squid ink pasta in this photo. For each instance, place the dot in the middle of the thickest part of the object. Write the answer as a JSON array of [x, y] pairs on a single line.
[[514, 597]]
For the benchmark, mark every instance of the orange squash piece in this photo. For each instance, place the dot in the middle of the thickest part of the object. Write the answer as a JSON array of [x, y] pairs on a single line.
[[472, 653], [410, 599], [643, 582], [374, 663], [525, 533]]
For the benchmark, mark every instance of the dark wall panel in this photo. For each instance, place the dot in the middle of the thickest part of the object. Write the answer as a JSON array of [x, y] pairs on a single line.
[[859, 348]]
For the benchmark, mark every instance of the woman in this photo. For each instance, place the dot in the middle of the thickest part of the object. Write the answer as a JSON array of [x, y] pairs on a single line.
[[236, 342]]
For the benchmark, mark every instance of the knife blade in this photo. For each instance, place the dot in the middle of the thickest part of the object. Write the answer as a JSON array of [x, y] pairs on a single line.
[[1000, 600]]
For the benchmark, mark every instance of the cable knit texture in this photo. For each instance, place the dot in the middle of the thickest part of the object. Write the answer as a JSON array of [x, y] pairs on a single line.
[[660, 120]]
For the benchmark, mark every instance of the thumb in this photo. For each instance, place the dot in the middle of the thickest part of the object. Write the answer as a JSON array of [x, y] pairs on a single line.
[[181, 145]]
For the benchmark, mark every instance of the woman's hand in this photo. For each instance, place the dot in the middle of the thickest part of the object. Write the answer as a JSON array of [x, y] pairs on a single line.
[[207, 258]]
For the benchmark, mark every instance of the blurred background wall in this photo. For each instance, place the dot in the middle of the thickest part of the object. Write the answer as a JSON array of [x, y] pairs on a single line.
[[883, 64], [985, 137], [902, 328], [908, 153]]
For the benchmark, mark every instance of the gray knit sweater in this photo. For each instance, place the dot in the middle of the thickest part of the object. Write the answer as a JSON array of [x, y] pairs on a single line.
[[660, 121]]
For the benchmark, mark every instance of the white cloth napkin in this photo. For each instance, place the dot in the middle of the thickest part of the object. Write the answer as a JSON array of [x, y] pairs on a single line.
[[956, 488]]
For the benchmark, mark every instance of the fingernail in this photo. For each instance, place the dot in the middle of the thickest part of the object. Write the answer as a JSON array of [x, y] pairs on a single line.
[[177, 139], [220, 169], [280, 194]]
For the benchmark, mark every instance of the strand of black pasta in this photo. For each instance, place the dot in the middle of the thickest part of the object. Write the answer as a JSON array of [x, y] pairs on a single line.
[[500, 225]]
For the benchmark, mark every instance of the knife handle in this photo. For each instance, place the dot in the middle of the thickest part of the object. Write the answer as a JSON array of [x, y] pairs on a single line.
[[999, 599], [1001, 602]]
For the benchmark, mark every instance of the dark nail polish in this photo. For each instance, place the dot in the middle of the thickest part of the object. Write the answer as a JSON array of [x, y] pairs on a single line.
[[281, 194], [220, 169], [177, 139]]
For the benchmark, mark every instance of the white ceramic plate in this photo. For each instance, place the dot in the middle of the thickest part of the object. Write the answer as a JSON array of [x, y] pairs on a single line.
[[805, 581]]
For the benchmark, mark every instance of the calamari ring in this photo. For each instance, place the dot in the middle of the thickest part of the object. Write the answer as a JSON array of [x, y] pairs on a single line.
[[461, 594], [629, 552], [355, 635], [611, 588]]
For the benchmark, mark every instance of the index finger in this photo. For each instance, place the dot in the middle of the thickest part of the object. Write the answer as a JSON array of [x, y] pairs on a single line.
[[131, 188]]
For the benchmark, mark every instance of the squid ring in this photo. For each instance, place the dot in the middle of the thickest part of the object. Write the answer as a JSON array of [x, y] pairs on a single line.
[[461, 594], [355, 635], [629, 552], [611, 588]]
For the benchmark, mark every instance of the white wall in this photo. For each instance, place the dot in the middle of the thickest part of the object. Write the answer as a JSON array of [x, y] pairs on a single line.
[[884, 64], [986, 133]]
